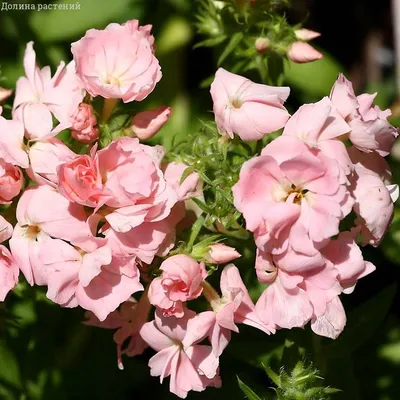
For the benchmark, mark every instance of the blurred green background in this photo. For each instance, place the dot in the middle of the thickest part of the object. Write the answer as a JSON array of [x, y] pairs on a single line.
[[45, 351]]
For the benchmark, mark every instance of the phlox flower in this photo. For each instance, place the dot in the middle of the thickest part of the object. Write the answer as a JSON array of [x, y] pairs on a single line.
[[180, 281], [291, 198], [191, 366], [370, 129], [117, 62], [39, 97], [249, 109]]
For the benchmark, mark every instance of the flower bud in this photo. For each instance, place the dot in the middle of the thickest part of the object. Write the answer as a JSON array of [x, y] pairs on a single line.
[[306, 34], [301, 52], [84, 127], [11, 181], [262, 44], [221, 254], [147, 123]]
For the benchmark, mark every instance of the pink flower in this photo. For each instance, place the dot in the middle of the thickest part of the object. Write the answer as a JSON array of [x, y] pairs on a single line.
[[12, 147], [374, 195], [9, 272], [89, 276], [39, 97], [320, 126], [147, 123], [221, 254], [191, 366], [5, 230], [292, 299], [44, 159], [246, 108], [147, 239], [11, 182], [84, 123], [191, 186], [370, 129], [145, 30], [180, 281], [139, 197], [302, 52], [234, 306], [43, 214], [79, 181], [128, 321], [5, 94], [295, 198], [347, 258], [117, 62]]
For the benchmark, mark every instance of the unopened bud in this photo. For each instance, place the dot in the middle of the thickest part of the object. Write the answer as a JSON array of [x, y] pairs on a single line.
[[262, 44], [302, 52], [221, 254], [147, 123]]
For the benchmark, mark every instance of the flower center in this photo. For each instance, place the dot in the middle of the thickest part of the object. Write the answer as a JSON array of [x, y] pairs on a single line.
[[236, 103], [32, 231], [295, 195]]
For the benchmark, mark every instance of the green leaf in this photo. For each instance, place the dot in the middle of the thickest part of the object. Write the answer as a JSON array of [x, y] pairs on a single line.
[[363, 322], [272, 375], [249, 393], [231, 46], [9, 372], [210, 42], [196, 228]]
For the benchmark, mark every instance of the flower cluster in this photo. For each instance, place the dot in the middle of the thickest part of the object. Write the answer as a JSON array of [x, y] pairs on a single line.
[[110, 228]]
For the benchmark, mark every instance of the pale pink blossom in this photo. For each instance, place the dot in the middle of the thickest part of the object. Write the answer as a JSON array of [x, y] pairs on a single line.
[[9, 272], [131, 172], [12, 147], [5, 94], [187, 188], [84, 124], [220, 253], [179, 282], [117, 62], [190, 366], [6, 229], [147, 239], [128, 321], [346, 256], [43, 214], [370, 129], [45, 157], [234, 306], [79, 181], [11, 182], [374, 195], [147, 123], [294, 199], [39, 97], [320, 126], [89, 276], [292, 299], [302, 52], [249, 109]]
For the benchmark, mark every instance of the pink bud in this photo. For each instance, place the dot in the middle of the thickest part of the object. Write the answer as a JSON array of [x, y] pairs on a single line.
[[84, 123], [306, 34], [262, 44], [5, 94], [221, 254], [147, 123], [301, 52]]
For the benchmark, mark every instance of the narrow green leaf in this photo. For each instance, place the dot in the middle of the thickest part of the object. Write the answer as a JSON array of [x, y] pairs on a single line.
[[272, 375], [210, 42], [249, 393], [231, 46], [196, 228]]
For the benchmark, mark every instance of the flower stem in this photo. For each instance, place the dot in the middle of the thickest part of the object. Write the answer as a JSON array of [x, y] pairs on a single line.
[[108, 107], [210, 293]]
